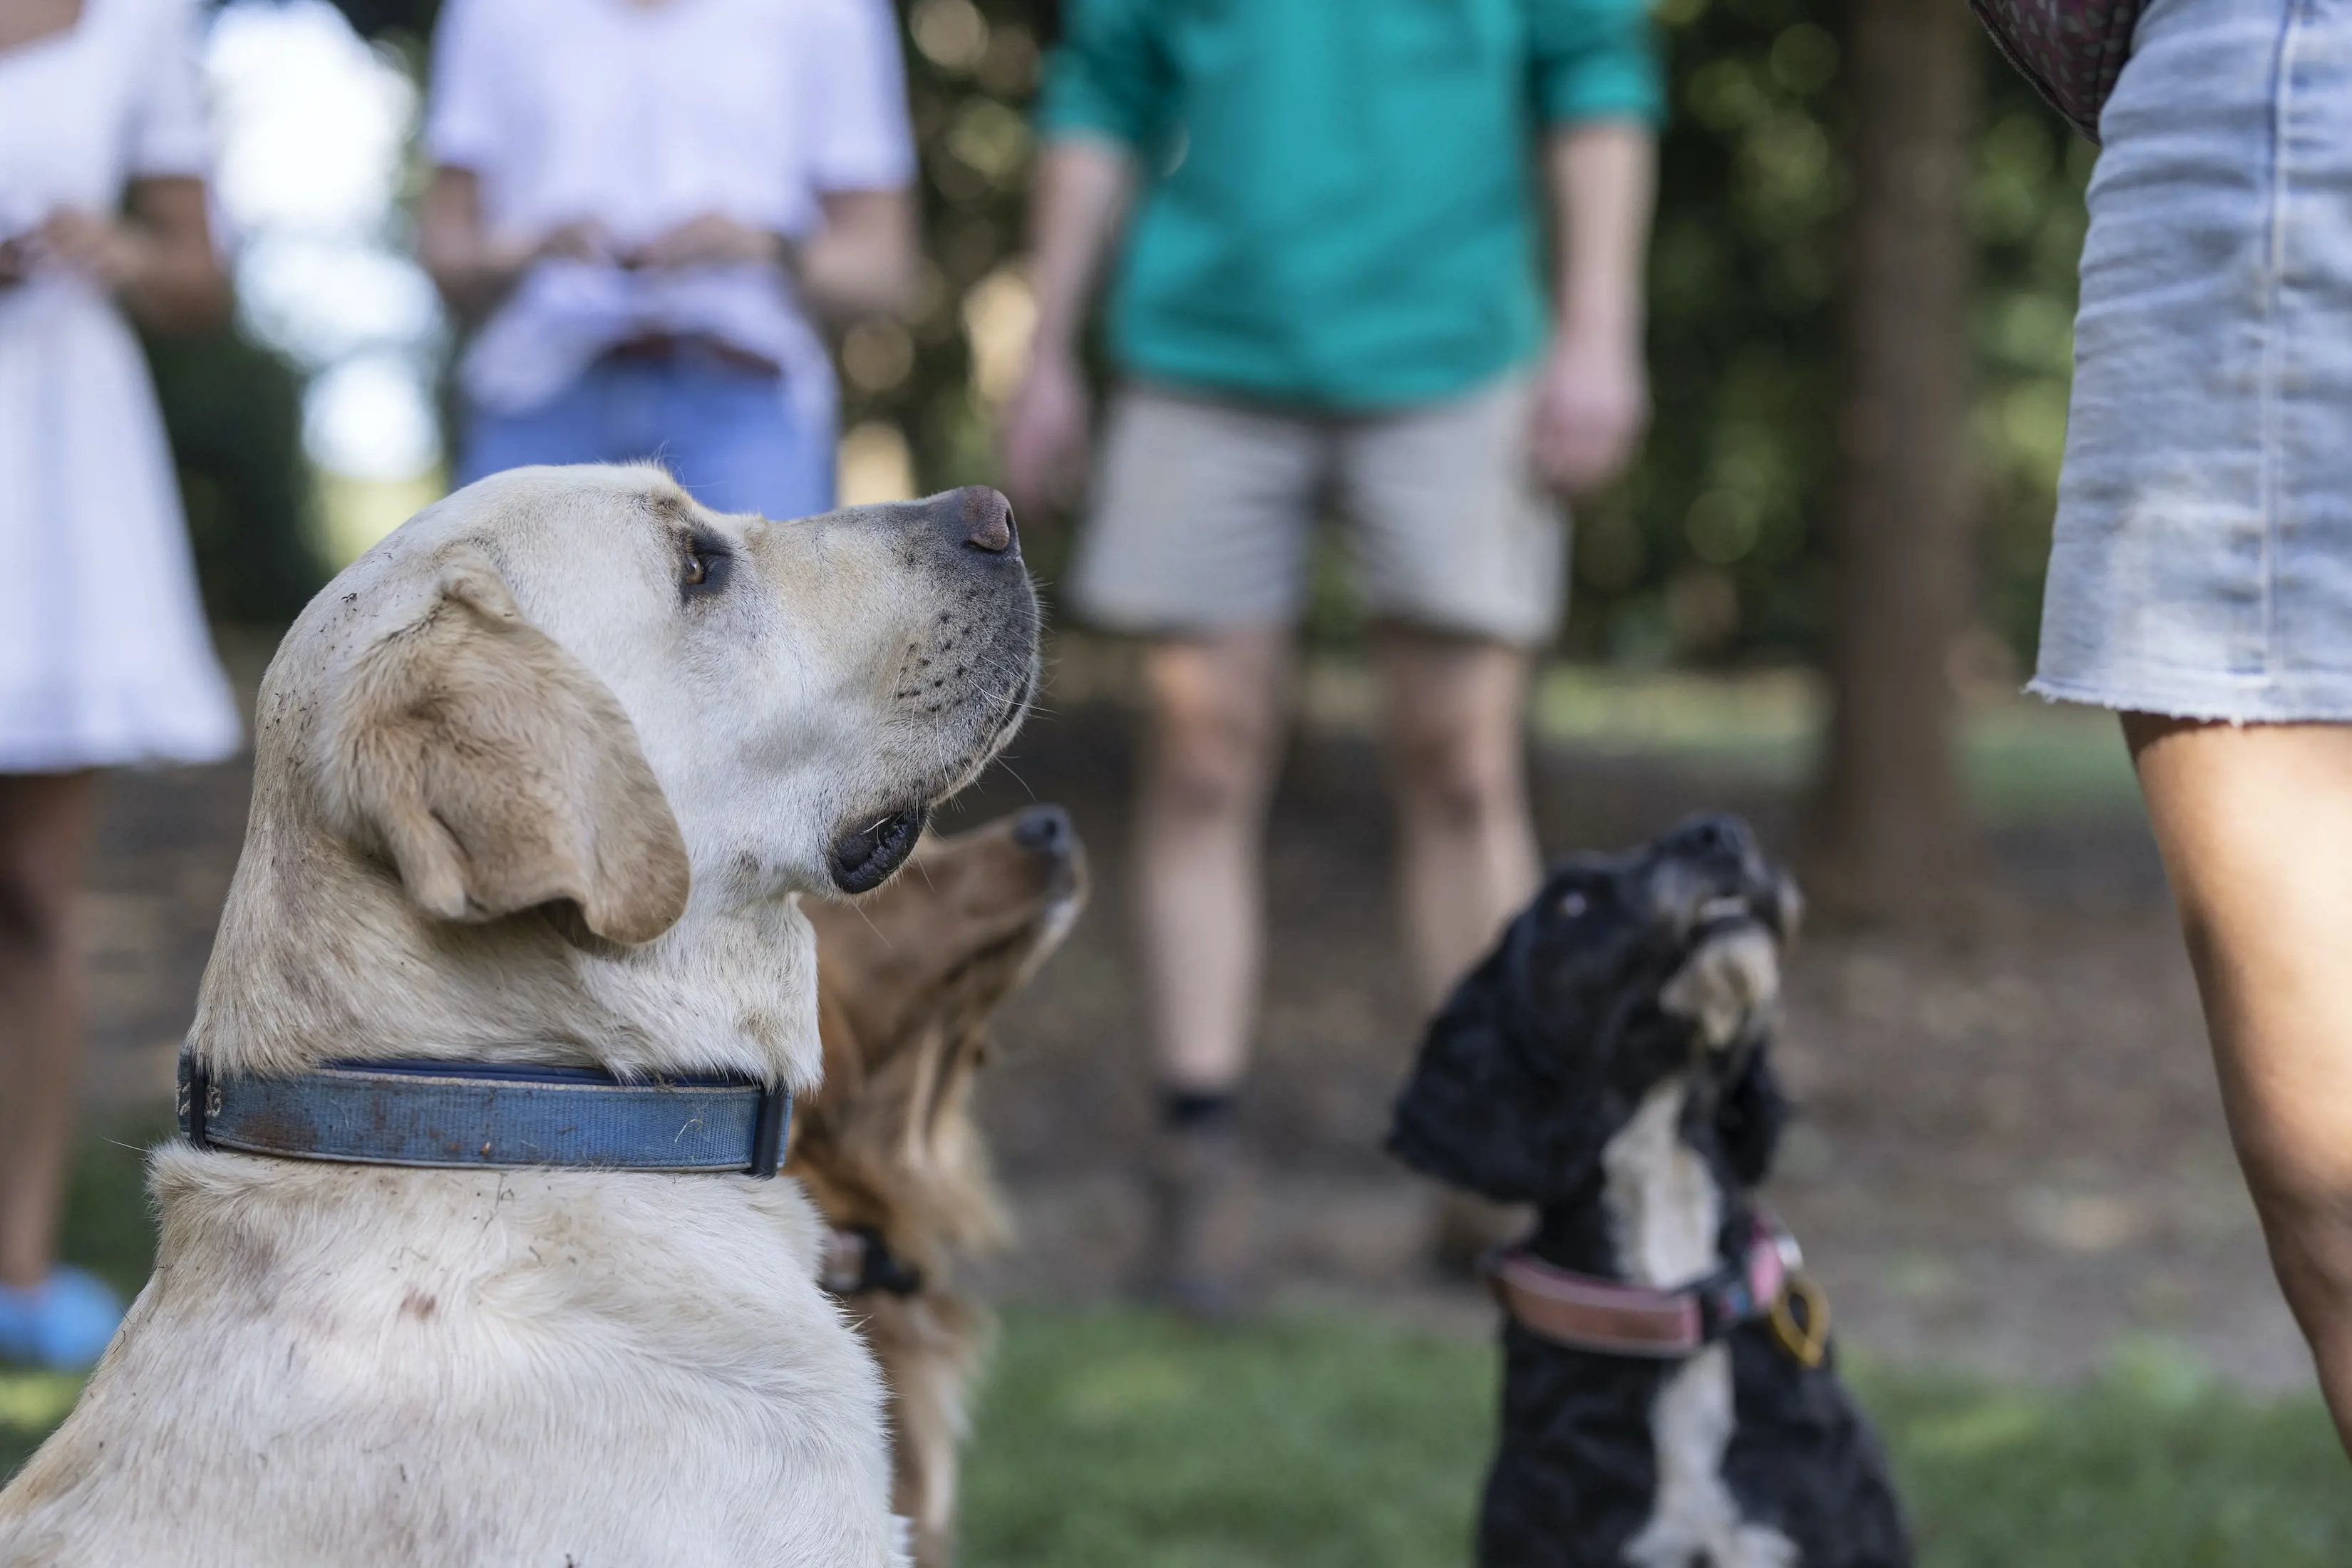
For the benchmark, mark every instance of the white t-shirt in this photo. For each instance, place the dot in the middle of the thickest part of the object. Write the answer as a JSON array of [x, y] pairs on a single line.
[[643, 117]]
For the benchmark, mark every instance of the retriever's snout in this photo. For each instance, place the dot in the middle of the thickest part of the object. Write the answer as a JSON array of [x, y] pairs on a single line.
[[977, 518], [1044, 830]]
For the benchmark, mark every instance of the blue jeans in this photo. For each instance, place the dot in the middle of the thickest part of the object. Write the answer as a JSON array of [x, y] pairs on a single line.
[[2202, 560], [725, 433]]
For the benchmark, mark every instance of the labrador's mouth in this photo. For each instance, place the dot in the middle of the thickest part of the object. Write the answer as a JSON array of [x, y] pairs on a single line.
[[862, 860]]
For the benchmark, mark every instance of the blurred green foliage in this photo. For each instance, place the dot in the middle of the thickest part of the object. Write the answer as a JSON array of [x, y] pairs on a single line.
[[972, 69], [233, 415], [1714, 547]]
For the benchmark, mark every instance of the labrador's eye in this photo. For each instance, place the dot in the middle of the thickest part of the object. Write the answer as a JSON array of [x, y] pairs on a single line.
[[1574, 903], [708, 563]]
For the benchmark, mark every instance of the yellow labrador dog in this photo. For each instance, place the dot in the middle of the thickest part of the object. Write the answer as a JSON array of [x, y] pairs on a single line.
[[538, 781]]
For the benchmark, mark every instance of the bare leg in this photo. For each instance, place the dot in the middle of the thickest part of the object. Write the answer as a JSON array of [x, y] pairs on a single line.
[[1453, 710], [1208, 765], [2256, 828], [1216, 706], [44, 832]]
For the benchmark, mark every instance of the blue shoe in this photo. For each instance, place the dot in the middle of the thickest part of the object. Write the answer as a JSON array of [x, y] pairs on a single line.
[[61, 1324]]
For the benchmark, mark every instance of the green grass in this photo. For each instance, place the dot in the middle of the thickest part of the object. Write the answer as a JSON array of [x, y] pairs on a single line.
[[2150, 1467], [1122, 1439], [1116, 1437]]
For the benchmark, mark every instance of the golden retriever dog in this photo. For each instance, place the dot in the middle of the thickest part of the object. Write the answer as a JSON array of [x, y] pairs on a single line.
[[906, 981], [539, 784]]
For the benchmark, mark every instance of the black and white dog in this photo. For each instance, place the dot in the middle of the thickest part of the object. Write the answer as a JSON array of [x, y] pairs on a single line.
[[1668, 1399]]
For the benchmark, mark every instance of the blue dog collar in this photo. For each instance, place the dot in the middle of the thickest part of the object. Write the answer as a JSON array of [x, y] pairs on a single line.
[[468, 1115]]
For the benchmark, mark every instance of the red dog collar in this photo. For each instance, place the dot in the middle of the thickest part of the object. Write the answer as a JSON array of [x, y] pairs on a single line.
[[1588, 1312]]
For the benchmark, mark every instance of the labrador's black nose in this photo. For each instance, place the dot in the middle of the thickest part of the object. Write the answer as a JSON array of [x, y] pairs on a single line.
[[1044, 829], [979, 519]]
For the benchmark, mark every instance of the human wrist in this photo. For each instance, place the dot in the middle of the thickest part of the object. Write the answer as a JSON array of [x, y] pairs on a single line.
[[131, 258], [502, 261], [1054, 354], [1598, 336]]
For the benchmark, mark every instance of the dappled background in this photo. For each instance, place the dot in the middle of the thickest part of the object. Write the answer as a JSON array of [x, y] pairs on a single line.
[[307, 429], [1813, 601]]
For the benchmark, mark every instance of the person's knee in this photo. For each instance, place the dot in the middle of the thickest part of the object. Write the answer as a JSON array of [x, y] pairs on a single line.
[[2309, 1226], [1455, 779], [1211, 751]]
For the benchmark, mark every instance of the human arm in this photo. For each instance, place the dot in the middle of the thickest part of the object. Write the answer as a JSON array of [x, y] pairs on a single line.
[[859, 262], [155, 253], [1593, 399], [157, 258], [862, 260], [1598, 90], [474, 268], [1109, 98], [474, 119], [1078, 205], [858, 258]]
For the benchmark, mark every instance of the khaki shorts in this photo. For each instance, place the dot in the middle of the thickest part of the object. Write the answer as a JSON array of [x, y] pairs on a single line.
[[1204, 515]]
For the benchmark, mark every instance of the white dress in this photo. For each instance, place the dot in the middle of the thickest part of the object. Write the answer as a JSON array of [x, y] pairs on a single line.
[[104, 657]]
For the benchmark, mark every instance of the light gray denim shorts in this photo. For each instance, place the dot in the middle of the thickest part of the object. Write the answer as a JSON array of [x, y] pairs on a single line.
[[2202, 563], [1204, 511]]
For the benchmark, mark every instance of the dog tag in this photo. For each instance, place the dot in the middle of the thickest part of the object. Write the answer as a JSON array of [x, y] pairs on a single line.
[[1805, 1338]]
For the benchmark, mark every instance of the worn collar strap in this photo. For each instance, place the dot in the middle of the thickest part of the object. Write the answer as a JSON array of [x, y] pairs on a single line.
[[1588, 1312], [469, 1114]]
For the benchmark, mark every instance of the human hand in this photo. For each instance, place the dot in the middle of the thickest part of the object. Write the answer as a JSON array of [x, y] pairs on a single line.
[[583, 239], [714, 239], [1593, 404], [1044, 438], [110, 254], [586, 239]]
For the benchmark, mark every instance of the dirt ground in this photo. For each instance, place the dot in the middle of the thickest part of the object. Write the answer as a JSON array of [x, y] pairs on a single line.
[[2009, 1157]]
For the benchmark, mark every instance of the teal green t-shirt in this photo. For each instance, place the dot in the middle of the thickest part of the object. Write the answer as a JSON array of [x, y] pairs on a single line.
[[1341, 199]]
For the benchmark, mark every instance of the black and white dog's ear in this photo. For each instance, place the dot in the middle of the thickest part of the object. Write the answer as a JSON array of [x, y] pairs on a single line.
[[1750, 1117], [1482, 1111], [1455, 1120]]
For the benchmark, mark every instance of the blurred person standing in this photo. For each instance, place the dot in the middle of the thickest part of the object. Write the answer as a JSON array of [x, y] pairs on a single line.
[[104, 657], [640, 204], [1328, 228]]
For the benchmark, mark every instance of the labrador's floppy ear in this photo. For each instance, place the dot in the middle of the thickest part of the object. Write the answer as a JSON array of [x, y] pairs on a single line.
[[496, 772]]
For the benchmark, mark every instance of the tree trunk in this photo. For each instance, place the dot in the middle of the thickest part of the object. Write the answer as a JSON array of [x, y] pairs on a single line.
[[1892, 834]]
